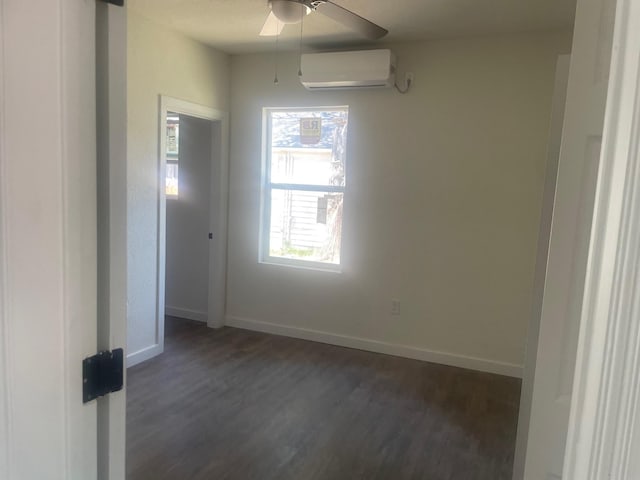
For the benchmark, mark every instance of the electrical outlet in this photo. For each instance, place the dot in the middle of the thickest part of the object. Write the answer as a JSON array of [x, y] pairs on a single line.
[[395, 307]]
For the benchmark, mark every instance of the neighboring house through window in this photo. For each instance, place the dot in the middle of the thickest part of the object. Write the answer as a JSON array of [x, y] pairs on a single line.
[[304, 186], [172, 154]]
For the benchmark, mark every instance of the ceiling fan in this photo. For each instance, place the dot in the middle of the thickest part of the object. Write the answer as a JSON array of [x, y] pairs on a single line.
[[285, 12]]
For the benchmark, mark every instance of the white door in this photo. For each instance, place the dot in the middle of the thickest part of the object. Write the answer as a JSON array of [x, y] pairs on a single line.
[[569, 243], [47, 238]]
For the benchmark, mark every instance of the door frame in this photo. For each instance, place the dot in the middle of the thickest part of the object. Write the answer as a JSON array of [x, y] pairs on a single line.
[[218, 211], [604, 424], [544, 237], [111, 103]]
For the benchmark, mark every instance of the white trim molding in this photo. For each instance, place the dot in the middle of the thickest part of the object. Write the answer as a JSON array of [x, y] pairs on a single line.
[[376, 346], [145, 354], [604, 429], [186, 313]]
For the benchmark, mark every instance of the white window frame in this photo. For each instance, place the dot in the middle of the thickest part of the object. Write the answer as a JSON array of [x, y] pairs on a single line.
[[268, 186]]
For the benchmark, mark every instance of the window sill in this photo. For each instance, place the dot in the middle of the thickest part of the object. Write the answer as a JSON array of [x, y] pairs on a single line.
[[302, 265]]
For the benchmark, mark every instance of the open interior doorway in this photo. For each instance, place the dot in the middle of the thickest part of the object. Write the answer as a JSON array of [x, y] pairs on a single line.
[[188, 203], [192, 217]]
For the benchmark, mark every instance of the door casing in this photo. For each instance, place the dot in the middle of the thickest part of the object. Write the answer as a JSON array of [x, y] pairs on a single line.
[[217, 218]]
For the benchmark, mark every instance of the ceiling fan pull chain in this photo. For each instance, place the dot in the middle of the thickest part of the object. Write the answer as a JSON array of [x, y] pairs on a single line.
[[275, 80], [300, 47]]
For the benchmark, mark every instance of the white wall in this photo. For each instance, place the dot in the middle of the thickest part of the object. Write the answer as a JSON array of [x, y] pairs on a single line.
[[187, 257], [442, 206], [159, 62]]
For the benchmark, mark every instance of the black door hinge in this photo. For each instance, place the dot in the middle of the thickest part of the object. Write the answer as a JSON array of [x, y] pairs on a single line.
[[119, 3], [102, 374], [211, 236]]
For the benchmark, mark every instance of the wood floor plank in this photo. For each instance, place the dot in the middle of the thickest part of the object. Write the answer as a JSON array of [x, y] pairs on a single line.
[[231, 404]]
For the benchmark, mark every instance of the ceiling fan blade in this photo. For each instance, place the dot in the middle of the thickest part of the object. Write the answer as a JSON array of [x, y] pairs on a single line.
[[272, 26], [352, 20]]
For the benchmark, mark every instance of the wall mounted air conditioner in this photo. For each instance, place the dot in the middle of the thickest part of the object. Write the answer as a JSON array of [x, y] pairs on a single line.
[[340, 70]]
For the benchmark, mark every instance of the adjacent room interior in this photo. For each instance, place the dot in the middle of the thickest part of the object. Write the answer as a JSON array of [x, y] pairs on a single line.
[[338, 283]]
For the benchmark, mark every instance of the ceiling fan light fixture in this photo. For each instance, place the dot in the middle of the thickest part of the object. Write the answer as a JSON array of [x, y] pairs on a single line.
[[289, 11]]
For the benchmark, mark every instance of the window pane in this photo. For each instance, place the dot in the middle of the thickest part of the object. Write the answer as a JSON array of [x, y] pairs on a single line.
[[173, 133], [172, 149], [306, 225], [308, 147], [171, 187]]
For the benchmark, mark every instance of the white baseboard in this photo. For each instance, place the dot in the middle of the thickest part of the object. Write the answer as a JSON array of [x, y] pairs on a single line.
[[452, 359], [186, 313], [144, 354]]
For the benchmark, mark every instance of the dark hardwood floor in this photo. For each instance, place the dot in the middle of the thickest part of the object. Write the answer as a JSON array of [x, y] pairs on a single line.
[[239, 405]]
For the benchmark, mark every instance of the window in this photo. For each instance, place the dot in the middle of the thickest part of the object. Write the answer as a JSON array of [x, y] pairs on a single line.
[[304, 184], [172, 154]]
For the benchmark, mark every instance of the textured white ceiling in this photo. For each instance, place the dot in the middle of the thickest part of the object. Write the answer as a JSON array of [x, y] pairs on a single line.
[[233, 25]]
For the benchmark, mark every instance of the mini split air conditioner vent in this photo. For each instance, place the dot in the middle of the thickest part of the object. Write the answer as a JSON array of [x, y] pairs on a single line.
[[343, 70]]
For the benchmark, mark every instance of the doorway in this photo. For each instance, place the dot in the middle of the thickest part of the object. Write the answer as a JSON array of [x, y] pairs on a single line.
[[188, 153], [192, 216]]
